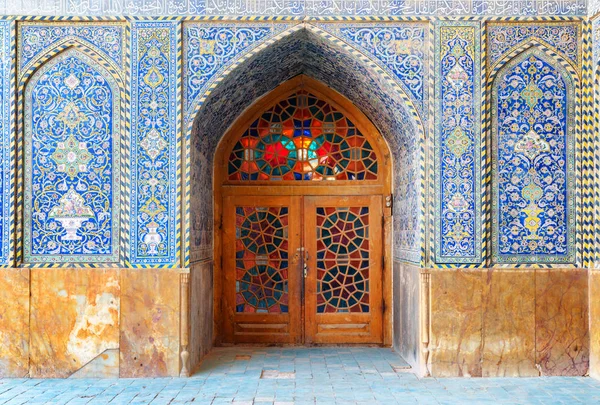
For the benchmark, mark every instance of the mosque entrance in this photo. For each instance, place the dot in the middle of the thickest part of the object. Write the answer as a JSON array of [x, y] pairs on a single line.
[[303, 193]]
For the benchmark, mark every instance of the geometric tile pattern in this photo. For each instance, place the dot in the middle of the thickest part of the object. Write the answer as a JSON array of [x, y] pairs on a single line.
[[7, 155], [154, 144], [562, 36], [35, 39], [72, 128], [302, 138], [458, 143], [533, 161], [342, 259], [300, 8], [261, 245]]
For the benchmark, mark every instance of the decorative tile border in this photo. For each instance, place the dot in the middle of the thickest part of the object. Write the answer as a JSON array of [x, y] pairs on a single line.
[[155, 144], [300, 7], [7, 164], [458, 143]]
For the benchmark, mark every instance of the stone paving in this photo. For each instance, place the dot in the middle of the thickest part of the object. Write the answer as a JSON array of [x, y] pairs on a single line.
[[245, 376]]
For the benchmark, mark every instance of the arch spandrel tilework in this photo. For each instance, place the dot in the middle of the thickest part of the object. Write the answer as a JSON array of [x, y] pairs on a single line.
[[562, 36], [35, 39], [533, 163], [401, 48], [72, 133]]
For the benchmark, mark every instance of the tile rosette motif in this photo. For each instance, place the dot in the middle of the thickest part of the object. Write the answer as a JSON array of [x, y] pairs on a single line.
[[533, 162], [457, 163], [155, 144], [72, 107]]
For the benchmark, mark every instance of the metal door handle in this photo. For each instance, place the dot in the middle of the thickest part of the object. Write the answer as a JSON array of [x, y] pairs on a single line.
[[305, 262]]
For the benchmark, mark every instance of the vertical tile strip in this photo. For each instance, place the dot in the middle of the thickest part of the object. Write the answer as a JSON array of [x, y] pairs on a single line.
[[154, 145], [457, 143]]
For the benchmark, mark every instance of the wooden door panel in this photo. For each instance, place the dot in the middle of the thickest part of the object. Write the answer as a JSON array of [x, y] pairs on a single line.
[[343, 242], [262, 285]]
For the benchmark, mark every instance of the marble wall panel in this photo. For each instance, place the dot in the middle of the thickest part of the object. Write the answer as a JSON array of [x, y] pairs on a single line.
[[456, 323], [406, 316], [149, 341], [561, 322], [201, 312], [508, 323], [14, 322], [74, 319], [594, 296]]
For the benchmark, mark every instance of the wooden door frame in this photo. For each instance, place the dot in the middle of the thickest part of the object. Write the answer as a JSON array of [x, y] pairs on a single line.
[[223, 187]]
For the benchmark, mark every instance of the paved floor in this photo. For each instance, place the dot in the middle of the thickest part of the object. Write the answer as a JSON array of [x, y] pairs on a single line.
[[302, 376]]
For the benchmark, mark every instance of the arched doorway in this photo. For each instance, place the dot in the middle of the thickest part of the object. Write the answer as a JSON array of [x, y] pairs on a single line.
[[302, 185]]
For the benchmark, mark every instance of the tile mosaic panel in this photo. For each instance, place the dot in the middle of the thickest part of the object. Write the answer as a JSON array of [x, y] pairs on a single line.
[[72, 128], [35, 39], [458, 143], [401, 49], [297, 7], [564, 37], [208, 47], [155, 143], [533, 162], [7, 155]]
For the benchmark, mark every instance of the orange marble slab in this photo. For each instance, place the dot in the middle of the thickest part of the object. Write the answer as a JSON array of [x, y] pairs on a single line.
[[456, 323], [562, 339], [594, 296], [149, 344], [74, 319], [14, 322], [509, 323]]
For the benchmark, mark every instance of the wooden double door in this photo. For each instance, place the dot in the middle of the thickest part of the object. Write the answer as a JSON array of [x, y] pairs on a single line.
[[302, 269]]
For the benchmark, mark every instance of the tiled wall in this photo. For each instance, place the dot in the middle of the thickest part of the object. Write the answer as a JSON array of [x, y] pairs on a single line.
[[108, 158]]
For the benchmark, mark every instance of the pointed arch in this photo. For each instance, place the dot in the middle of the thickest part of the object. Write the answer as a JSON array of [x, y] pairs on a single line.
[[199, 100], [565, 123], [64, 44], [556, 56], [81, 161], [409, 144]]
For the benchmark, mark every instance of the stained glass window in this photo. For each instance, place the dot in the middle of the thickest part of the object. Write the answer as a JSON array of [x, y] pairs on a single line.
[[302, 138], [261, 260], [342, 259]]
